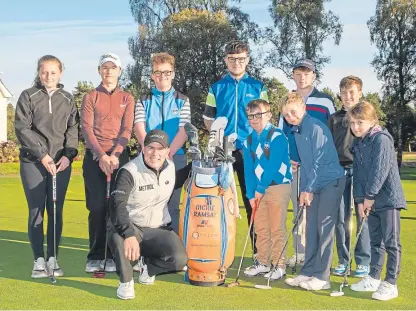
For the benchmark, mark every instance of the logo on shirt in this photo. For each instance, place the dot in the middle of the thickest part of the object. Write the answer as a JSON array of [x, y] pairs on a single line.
[[175, 111], [250, 95], [122, 106], [266, 146], [146, 187]]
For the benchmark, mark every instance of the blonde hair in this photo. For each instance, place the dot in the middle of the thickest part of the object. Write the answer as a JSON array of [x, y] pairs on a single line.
[[364, 111], [163, 58], [291, 98], [350, 81]]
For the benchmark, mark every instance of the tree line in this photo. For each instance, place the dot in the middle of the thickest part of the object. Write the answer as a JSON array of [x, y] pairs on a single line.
[[196, 31]]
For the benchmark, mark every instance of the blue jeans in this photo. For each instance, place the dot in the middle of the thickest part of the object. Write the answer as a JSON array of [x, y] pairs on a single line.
[[342, 231]]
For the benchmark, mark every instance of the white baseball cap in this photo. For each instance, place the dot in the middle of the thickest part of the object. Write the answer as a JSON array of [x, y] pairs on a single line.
[[109, 57]]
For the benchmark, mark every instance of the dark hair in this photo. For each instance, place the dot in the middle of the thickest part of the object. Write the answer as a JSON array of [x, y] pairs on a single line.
[[236, 47], [47, 58], [257, 103], [350, 81]]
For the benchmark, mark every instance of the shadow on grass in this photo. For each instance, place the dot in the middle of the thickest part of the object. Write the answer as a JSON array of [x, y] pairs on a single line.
[[408, 173]]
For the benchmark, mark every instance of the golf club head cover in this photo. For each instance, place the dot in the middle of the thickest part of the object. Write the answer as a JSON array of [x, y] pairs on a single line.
[[192, 133], [216, 133]]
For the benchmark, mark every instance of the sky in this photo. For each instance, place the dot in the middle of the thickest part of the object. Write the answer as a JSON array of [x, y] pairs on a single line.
[[79, 31]]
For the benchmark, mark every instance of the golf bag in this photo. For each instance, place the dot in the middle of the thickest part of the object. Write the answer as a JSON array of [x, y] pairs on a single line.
[[208, 221]]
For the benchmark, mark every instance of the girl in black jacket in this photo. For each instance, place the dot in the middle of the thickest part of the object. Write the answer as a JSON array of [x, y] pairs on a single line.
[[377, 190], [46, 124]]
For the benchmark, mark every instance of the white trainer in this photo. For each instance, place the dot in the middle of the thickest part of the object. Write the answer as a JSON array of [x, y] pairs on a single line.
[[39, 269], [256, 269], [277, 273], [300, 260], [51, 265], [315, 284], [386, 291], [110, 265], [126, 290], [92, 266], [367, 284], [297, 280], [144, 277]]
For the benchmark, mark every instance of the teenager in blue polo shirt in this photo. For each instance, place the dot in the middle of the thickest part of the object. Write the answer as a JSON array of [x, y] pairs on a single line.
[[228, 98], [322, 185], [320, 106], [168, 110]]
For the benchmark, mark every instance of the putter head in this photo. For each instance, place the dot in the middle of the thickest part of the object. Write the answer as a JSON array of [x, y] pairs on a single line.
[[293, 270], [53, 279], [336, 294], [98, 274], [233, 284], [262, 286]]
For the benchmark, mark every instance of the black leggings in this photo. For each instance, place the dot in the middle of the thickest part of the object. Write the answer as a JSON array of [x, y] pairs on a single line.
[[37, 184]]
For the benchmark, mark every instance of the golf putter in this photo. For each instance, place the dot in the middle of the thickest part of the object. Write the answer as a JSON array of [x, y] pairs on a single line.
[[298, 215], [297, 226], [351, 254], [236, 282], [100, 273], [52, 276]]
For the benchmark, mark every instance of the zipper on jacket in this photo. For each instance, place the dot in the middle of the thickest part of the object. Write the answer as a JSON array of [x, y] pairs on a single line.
[[163, 116], [50, 103], [236, 106]]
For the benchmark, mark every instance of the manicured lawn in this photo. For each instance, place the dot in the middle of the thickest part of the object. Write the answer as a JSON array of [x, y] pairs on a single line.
[[78, 290]]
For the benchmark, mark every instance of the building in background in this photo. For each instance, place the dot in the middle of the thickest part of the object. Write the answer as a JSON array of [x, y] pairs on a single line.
[[5, 95]]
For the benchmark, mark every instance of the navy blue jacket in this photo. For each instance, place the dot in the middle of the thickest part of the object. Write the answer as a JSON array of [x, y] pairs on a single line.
[[318, 155], [376, 175]]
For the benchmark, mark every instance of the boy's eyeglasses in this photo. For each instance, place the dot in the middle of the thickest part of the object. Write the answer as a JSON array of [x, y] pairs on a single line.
[[166, 73], [237, 59], [258, 115]]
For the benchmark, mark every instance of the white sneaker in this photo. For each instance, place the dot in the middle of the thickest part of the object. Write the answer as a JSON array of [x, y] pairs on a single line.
[[386, 291], [110, 265], [126, 290], [92, 265], [315, 284], [367, 284], [277, 273], [51, 265], [256, 269], [39, 269], [297, 280], [137, 267], [144, 277], [301, 259]]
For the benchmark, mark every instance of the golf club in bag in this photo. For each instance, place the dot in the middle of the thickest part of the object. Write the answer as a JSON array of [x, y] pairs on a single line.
[[351, 255], [52, 275], [236, 283], [297, 223], [298, 215], [100, 273]]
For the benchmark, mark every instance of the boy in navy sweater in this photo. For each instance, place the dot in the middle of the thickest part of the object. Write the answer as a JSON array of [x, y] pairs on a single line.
[[321, 186], [351, 92], [378, 189], [268, 176]]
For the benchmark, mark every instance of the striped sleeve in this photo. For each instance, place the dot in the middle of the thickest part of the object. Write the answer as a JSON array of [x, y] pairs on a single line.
[[139, 112], [185, 115], [263, 94], [210, 111]]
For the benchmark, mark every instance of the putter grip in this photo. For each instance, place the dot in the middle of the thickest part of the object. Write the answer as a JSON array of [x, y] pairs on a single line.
[[108, 185], [54, 188]]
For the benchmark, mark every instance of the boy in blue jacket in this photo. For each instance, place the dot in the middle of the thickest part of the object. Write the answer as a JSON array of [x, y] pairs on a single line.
[[267, 176], [378, 189], [321, 186]]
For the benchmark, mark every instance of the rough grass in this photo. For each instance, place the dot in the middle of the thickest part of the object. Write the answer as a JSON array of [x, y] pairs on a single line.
[[78, 290]]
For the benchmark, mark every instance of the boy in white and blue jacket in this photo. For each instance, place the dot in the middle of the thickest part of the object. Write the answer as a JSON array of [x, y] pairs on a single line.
[[267, 175], [321, 186]]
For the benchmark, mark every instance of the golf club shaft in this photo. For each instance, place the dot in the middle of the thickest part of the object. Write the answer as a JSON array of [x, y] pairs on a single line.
[[54, 225], [297, 226], [245, 243], [300, 211], [106, 216]]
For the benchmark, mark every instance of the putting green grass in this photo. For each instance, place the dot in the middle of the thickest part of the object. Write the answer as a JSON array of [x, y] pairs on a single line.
[[78, 290]]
